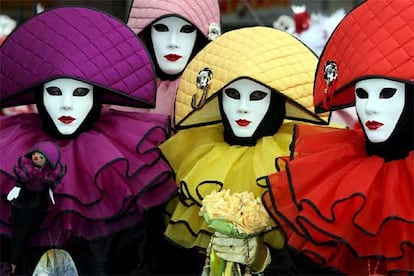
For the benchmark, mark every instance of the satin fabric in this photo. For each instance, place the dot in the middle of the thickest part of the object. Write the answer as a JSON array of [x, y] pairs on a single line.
[[343, 208], [114, 173], [203, 162]]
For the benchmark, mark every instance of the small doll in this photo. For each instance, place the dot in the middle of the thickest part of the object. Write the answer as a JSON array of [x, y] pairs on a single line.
[[37, 174], [173, 31], [345, 198], [70, 61], [233, 110]]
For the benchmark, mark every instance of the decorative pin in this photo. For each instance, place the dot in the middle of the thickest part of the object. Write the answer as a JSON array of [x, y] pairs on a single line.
[[203, 80], [213, 31], [330, 73]]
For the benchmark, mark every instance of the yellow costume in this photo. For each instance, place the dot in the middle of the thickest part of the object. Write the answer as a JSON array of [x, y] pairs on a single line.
[[200, 157]]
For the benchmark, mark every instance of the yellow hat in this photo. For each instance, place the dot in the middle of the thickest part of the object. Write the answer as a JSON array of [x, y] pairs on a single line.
[[269, 56]]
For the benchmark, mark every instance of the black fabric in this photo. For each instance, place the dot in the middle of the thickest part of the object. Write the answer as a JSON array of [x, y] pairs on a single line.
[[127, 252], [168, 258], [145, 36], [24, 222], [401, 140], [270, 124], [123, 253], [47, 122], [288, 261], [28, 200]]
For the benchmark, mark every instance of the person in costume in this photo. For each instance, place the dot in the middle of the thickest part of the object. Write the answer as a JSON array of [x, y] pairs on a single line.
[[37, 174], [345, 197], [70, 61], [234, 107], [173, 31]]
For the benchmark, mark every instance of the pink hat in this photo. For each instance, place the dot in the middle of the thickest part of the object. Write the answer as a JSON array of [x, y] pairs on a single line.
[[204, 14]]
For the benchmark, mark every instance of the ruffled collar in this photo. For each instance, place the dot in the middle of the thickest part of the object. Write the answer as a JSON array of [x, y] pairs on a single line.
[[210, 163], [204, 162], [122, 148], [338, 203]]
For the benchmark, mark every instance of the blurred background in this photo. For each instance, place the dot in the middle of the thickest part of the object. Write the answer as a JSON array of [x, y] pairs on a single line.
[[236, 13]]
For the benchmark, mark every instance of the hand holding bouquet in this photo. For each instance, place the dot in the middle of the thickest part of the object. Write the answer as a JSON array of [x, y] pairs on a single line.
[[238, 219]]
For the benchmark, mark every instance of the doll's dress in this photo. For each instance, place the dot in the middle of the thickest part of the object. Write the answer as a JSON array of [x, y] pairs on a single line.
[[115, 172], [203, 162], [343, 208]]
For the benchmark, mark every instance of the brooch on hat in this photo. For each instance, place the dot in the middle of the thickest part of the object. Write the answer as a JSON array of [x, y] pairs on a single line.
[[213, 31], [330, 73], [203, 80]]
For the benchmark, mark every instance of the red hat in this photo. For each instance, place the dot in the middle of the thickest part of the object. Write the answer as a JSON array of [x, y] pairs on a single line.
[[375, 40]]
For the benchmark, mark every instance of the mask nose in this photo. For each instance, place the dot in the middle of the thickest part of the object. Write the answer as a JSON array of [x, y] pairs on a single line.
[[371, 106], [173, 41], [67, 103], [243, 107]]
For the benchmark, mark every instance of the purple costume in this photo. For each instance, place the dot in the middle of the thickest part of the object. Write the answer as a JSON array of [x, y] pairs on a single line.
[[115, 171]]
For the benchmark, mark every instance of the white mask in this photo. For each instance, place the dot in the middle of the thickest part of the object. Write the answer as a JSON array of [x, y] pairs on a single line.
[[68, 102], [173, 40], [245, 103], [379, 104]]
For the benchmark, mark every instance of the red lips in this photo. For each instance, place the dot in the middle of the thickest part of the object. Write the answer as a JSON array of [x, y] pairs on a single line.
[[172, 57], [373, 125], [66, 119], [242, 122]]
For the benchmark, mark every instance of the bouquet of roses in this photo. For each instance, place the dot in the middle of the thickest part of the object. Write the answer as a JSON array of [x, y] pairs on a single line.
[[238, 215]]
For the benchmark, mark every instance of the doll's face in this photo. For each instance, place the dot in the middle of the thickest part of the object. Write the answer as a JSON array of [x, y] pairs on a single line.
[[173, 40], [245, 103], [379, 104], [38, 159], [68, 102]]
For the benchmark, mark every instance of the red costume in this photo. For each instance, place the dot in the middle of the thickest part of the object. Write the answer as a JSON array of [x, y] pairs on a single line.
[[344, 201]]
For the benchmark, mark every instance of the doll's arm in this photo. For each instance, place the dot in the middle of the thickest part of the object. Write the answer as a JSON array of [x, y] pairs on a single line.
[[14, 193]]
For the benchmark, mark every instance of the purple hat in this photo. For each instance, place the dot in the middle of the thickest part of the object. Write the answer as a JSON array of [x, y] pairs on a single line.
[[49, 150], [79, 43]]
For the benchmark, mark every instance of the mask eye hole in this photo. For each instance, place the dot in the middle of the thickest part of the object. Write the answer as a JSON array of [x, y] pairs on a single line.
[[160, 27], [232, 93], [80, 92], [257, 95], [361, 93], [387, 93], [188, 29], [54, 91]]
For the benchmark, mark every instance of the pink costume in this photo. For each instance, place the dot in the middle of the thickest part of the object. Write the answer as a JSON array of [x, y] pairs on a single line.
[[204, 14]]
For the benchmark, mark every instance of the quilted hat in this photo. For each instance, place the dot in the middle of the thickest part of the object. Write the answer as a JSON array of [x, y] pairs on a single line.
[[204, 14], [79, 43], [272, 57], [375, 40]]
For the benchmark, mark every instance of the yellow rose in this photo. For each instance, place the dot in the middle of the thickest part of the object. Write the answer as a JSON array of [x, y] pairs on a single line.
[[221, 205], [254, 218], [241, 208]]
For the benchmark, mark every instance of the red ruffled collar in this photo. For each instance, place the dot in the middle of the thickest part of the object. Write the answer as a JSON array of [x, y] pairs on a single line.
[[344, 207]]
